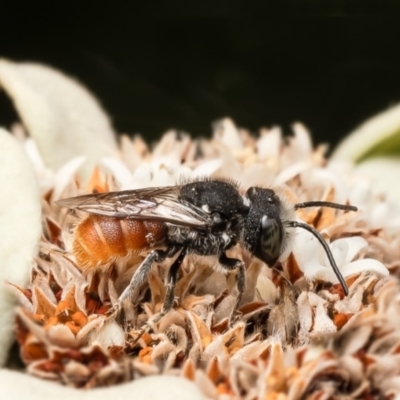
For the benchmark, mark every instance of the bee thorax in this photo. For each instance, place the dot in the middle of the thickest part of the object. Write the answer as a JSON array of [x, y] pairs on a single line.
[[201, 243]]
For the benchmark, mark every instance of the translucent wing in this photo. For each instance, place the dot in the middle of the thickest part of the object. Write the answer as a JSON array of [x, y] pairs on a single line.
[[149, 203]]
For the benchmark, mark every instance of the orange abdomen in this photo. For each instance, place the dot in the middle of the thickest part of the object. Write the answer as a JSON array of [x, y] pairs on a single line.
[[98, 239]]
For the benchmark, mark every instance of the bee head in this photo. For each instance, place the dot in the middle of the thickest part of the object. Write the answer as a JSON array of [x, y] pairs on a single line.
[[263, 230]]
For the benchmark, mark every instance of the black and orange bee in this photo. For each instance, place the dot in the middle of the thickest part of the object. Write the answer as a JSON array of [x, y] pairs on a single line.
[[204, 217]]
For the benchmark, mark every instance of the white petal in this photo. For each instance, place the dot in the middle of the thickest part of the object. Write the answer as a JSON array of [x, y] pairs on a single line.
[[64, 175], [315, 300], [44, 174], [20, 228], [129, 152], [161, 177], [382, 173], [170, 147], [349, 248], [226, 132], [266, 289], [33, 154], [386, 214], [306, 250], [62, 336], [368, 135], [119, 170], [318, 180], [269, 143], [366, 264], [360, 193], [230, 168], [64, 119], [16, 385], [305, 316], [258, 175], [110, 334], [207, 168], [141, 177], [291, 171], [323, 325], [355, 301], [339, 251], [356, 244], [183, 174], [302, 140]]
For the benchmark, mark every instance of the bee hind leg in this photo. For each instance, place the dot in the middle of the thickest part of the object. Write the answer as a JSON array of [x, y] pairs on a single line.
[[138, 279], [231, 264], [169, 296]]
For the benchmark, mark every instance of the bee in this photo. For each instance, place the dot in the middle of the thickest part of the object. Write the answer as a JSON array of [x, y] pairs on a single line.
[[206, 217]]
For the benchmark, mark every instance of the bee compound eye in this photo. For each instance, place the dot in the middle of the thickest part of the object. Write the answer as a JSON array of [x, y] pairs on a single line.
[[270, 240]]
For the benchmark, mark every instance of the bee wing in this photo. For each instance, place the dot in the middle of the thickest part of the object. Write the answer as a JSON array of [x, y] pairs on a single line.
[[161, 204]]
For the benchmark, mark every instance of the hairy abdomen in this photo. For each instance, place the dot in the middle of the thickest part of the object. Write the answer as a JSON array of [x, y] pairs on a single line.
[[98, 239]]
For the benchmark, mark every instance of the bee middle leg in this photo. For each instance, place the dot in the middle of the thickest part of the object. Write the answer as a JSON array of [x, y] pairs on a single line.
[[231, 264]]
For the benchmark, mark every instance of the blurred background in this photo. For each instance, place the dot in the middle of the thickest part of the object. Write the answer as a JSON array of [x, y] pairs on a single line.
[[182, 65]]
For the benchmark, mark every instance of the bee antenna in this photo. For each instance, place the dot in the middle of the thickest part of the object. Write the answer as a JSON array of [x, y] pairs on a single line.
[[296, 224], [325, 204]]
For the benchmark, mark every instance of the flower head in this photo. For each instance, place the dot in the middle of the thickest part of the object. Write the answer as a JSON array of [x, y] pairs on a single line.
[[297, 334]]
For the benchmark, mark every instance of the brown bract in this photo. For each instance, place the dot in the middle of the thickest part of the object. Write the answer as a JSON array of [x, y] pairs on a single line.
[[297, 335]]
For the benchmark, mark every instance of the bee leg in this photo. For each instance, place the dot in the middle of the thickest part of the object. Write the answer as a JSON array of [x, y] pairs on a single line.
[[139, 278], [231, 264], [169, 296], [172, 279]]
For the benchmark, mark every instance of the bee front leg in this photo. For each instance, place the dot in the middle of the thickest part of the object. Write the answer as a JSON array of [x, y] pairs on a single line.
[[231, 264]]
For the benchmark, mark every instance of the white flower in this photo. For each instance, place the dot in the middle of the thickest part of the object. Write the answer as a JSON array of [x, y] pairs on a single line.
[[18, 385], [64, 119], [20, 229], [314, 262]]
